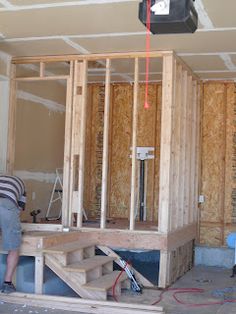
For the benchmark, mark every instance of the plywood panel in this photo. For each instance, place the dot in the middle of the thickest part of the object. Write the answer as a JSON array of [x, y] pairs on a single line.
[[218, 163], [213, 151], [181, 261], [97, 93], [120, 169], [147, 134]]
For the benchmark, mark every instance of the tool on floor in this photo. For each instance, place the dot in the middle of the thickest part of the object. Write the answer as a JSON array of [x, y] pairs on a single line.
[[34, 214], [134, 285]]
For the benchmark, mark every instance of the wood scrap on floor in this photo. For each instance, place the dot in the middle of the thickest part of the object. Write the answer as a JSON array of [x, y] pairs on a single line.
[[85, 306]]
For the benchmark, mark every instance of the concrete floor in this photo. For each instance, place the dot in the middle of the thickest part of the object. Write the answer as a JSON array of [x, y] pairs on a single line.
[[213, 280]]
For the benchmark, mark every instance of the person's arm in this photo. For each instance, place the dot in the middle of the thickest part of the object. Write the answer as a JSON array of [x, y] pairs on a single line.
[[22, 201]]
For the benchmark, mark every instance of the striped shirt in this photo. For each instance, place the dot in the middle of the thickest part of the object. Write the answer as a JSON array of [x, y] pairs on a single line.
[[13, 188]]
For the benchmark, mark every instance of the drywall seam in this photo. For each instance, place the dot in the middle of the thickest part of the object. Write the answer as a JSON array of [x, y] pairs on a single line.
[[231, 79], [102, 35], [191, 54], [11, 7], [6, 4], [203, 16], [85, 51], [207, 24], [49, 104], [228, 61], [85, 36], [36, 176], [216, 29], [6, 58], [4, 78], [36, 69], [215, 71], [76, 46]]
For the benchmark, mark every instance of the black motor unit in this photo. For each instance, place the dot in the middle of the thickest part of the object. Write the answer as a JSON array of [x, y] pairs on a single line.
[[182, 17]]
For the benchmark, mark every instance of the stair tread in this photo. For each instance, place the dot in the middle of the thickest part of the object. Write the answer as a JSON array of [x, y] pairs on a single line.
[[68, 247], [105, 282], [89, 263]]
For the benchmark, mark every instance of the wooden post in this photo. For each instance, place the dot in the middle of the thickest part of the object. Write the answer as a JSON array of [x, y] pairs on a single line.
[[134, 144], [66, 219], [193, 200], [165, 204], [105, 158], [38, 276], [164, 269], [188, 140], [41, 69], [83, 103], [182, 178], [12, 121]]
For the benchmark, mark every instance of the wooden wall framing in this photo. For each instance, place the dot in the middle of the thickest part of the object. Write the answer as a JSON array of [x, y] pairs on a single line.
[[179, 149]]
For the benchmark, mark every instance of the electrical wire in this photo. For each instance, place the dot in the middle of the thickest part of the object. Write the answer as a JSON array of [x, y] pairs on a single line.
[[190, 290], [116, 281], [176, 291]]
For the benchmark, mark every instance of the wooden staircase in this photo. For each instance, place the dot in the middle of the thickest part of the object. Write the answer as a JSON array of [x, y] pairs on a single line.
[[89, 275]]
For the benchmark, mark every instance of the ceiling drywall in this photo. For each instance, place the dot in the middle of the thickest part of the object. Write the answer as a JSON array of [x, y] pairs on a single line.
[[52, 27]]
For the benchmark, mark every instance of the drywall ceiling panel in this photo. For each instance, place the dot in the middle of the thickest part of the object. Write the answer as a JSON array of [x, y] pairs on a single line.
[[39, 47], [127, 65], [72, 20], [194, 43], [221, 13], [204, 63], [233, 58], [217, 75]]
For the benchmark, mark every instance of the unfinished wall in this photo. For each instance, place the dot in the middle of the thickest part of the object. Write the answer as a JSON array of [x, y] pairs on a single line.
[[39, 145], [218, 182], [119, 148], [4, 106]]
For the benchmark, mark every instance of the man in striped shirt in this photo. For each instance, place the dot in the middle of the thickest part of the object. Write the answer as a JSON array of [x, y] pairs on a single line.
[[12, 200]]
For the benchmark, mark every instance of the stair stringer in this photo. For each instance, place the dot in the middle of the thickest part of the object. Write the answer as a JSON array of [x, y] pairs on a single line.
[[72, 281]]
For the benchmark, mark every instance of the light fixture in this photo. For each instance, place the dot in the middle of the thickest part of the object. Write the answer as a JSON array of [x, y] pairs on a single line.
[[161, 7]]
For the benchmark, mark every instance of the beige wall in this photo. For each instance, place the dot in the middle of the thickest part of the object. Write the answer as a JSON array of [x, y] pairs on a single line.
[[39, 143]]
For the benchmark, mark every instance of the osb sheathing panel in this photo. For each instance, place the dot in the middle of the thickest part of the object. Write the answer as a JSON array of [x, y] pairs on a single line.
[[213, 151], [120, 133], [94, 146], [230, 154], [181, 261], [120, 169], [211, 235], [218, 181]]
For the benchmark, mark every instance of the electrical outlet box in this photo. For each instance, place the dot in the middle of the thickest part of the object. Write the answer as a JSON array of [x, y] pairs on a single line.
[[201, 199]]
